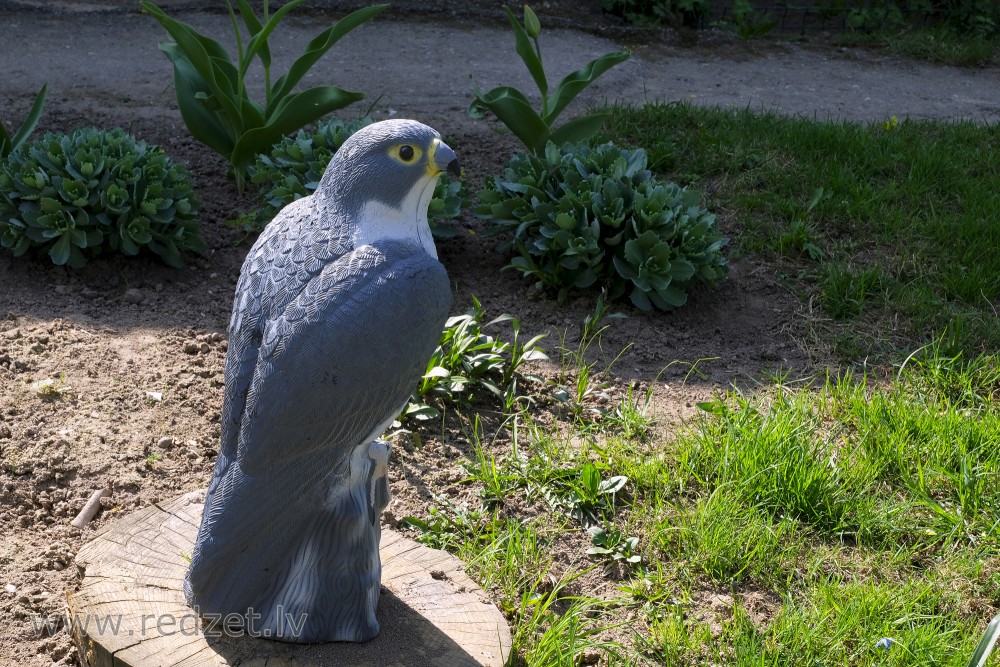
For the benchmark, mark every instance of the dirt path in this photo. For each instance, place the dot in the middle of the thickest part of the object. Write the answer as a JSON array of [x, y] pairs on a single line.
[[424, 69]]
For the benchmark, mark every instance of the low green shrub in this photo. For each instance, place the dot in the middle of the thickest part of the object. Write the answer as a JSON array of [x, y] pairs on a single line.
[[75, 195], [295, 165], [595, 217], [979, 18], [652, 12]]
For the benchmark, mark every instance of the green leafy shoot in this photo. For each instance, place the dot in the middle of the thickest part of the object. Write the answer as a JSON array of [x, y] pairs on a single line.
[[536, 128], [467, 359], [611, 545], [212, 93], [7, 144]]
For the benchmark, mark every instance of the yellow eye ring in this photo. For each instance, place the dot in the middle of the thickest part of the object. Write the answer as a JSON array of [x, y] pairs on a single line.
[[406, 153]]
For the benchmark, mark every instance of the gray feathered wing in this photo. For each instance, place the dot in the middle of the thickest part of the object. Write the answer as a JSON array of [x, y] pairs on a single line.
[[307, 387]]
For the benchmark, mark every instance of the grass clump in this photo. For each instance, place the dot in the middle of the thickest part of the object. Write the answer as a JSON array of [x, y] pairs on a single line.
[[899, 242], [851, 521], [944, 44], [858, 463]]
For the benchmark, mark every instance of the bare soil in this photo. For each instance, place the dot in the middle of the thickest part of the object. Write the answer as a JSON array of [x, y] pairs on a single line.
[[136, 349]]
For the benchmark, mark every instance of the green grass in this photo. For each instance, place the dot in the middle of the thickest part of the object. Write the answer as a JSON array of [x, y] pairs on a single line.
[[938, 44], [853, 521], [892, 225], [849, 520]]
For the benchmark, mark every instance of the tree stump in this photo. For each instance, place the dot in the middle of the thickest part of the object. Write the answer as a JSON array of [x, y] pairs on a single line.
[[130, 607]]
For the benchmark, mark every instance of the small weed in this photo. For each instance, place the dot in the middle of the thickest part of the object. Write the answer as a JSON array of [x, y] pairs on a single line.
[[845, 292], [495, 476], [468, 359], [547, 637], [575, 386], [451, 525], [611, 545], [50, 389], [630, 418]]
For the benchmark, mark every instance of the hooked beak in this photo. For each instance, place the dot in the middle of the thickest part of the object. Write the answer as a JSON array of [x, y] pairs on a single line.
[[442, 159]]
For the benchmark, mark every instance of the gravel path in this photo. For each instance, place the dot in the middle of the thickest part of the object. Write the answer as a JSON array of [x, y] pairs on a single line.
[[98, 54]]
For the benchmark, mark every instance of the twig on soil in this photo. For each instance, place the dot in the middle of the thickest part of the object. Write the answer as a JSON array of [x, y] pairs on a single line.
[[89, 510]]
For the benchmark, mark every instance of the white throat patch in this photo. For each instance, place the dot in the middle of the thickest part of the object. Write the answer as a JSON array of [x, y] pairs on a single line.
[[380, 222]]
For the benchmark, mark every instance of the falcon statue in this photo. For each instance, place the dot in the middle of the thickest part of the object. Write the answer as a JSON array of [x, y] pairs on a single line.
[[339, 305]]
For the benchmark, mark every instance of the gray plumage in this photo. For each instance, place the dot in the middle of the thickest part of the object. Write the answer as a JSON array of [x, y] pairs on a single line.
[[339, 305]]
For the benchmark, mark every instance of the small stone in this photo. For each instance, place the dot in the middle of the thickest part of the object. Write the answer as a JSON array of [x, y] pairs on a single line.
[[13, 334], [10, 588], [205, 348], [133, 295], [191, 347], [165, 443]]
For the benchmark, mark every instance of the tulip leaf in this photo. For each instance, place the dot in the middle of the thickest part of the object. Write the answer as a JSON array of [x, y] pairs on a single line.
[[574, 83], [212, 93], [26, 128], [318, 47], [296, 111], [522, 44], [578, 129], [514, 110]]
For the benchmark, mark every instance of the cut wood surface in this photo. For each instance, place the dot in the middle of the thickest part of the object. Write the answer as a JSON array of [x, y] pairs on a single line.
[[130, 608]]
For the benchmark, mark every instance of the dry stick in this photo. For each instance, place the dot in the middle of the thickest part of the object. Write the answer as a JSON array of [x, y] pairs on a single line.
[[90, 509]]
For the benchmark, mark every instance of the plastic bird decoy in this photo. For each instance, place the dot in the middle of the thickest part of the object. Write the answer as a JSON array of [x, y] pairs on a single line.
[[339, 305]]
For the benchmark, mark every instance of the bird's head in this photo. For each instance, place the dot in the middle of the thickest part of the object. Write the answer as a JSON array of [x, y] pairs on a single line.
[[382, 178]]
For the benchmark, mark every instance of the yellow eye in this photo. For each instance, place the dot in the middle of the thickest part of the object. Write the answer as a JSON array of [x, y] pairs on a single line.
[[405, 153]]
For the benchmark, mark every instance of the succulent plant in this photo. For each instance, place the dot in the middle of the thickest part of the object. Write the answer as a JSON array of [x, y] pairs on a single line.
[[73, 195], [295, 165], [587, 217]]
